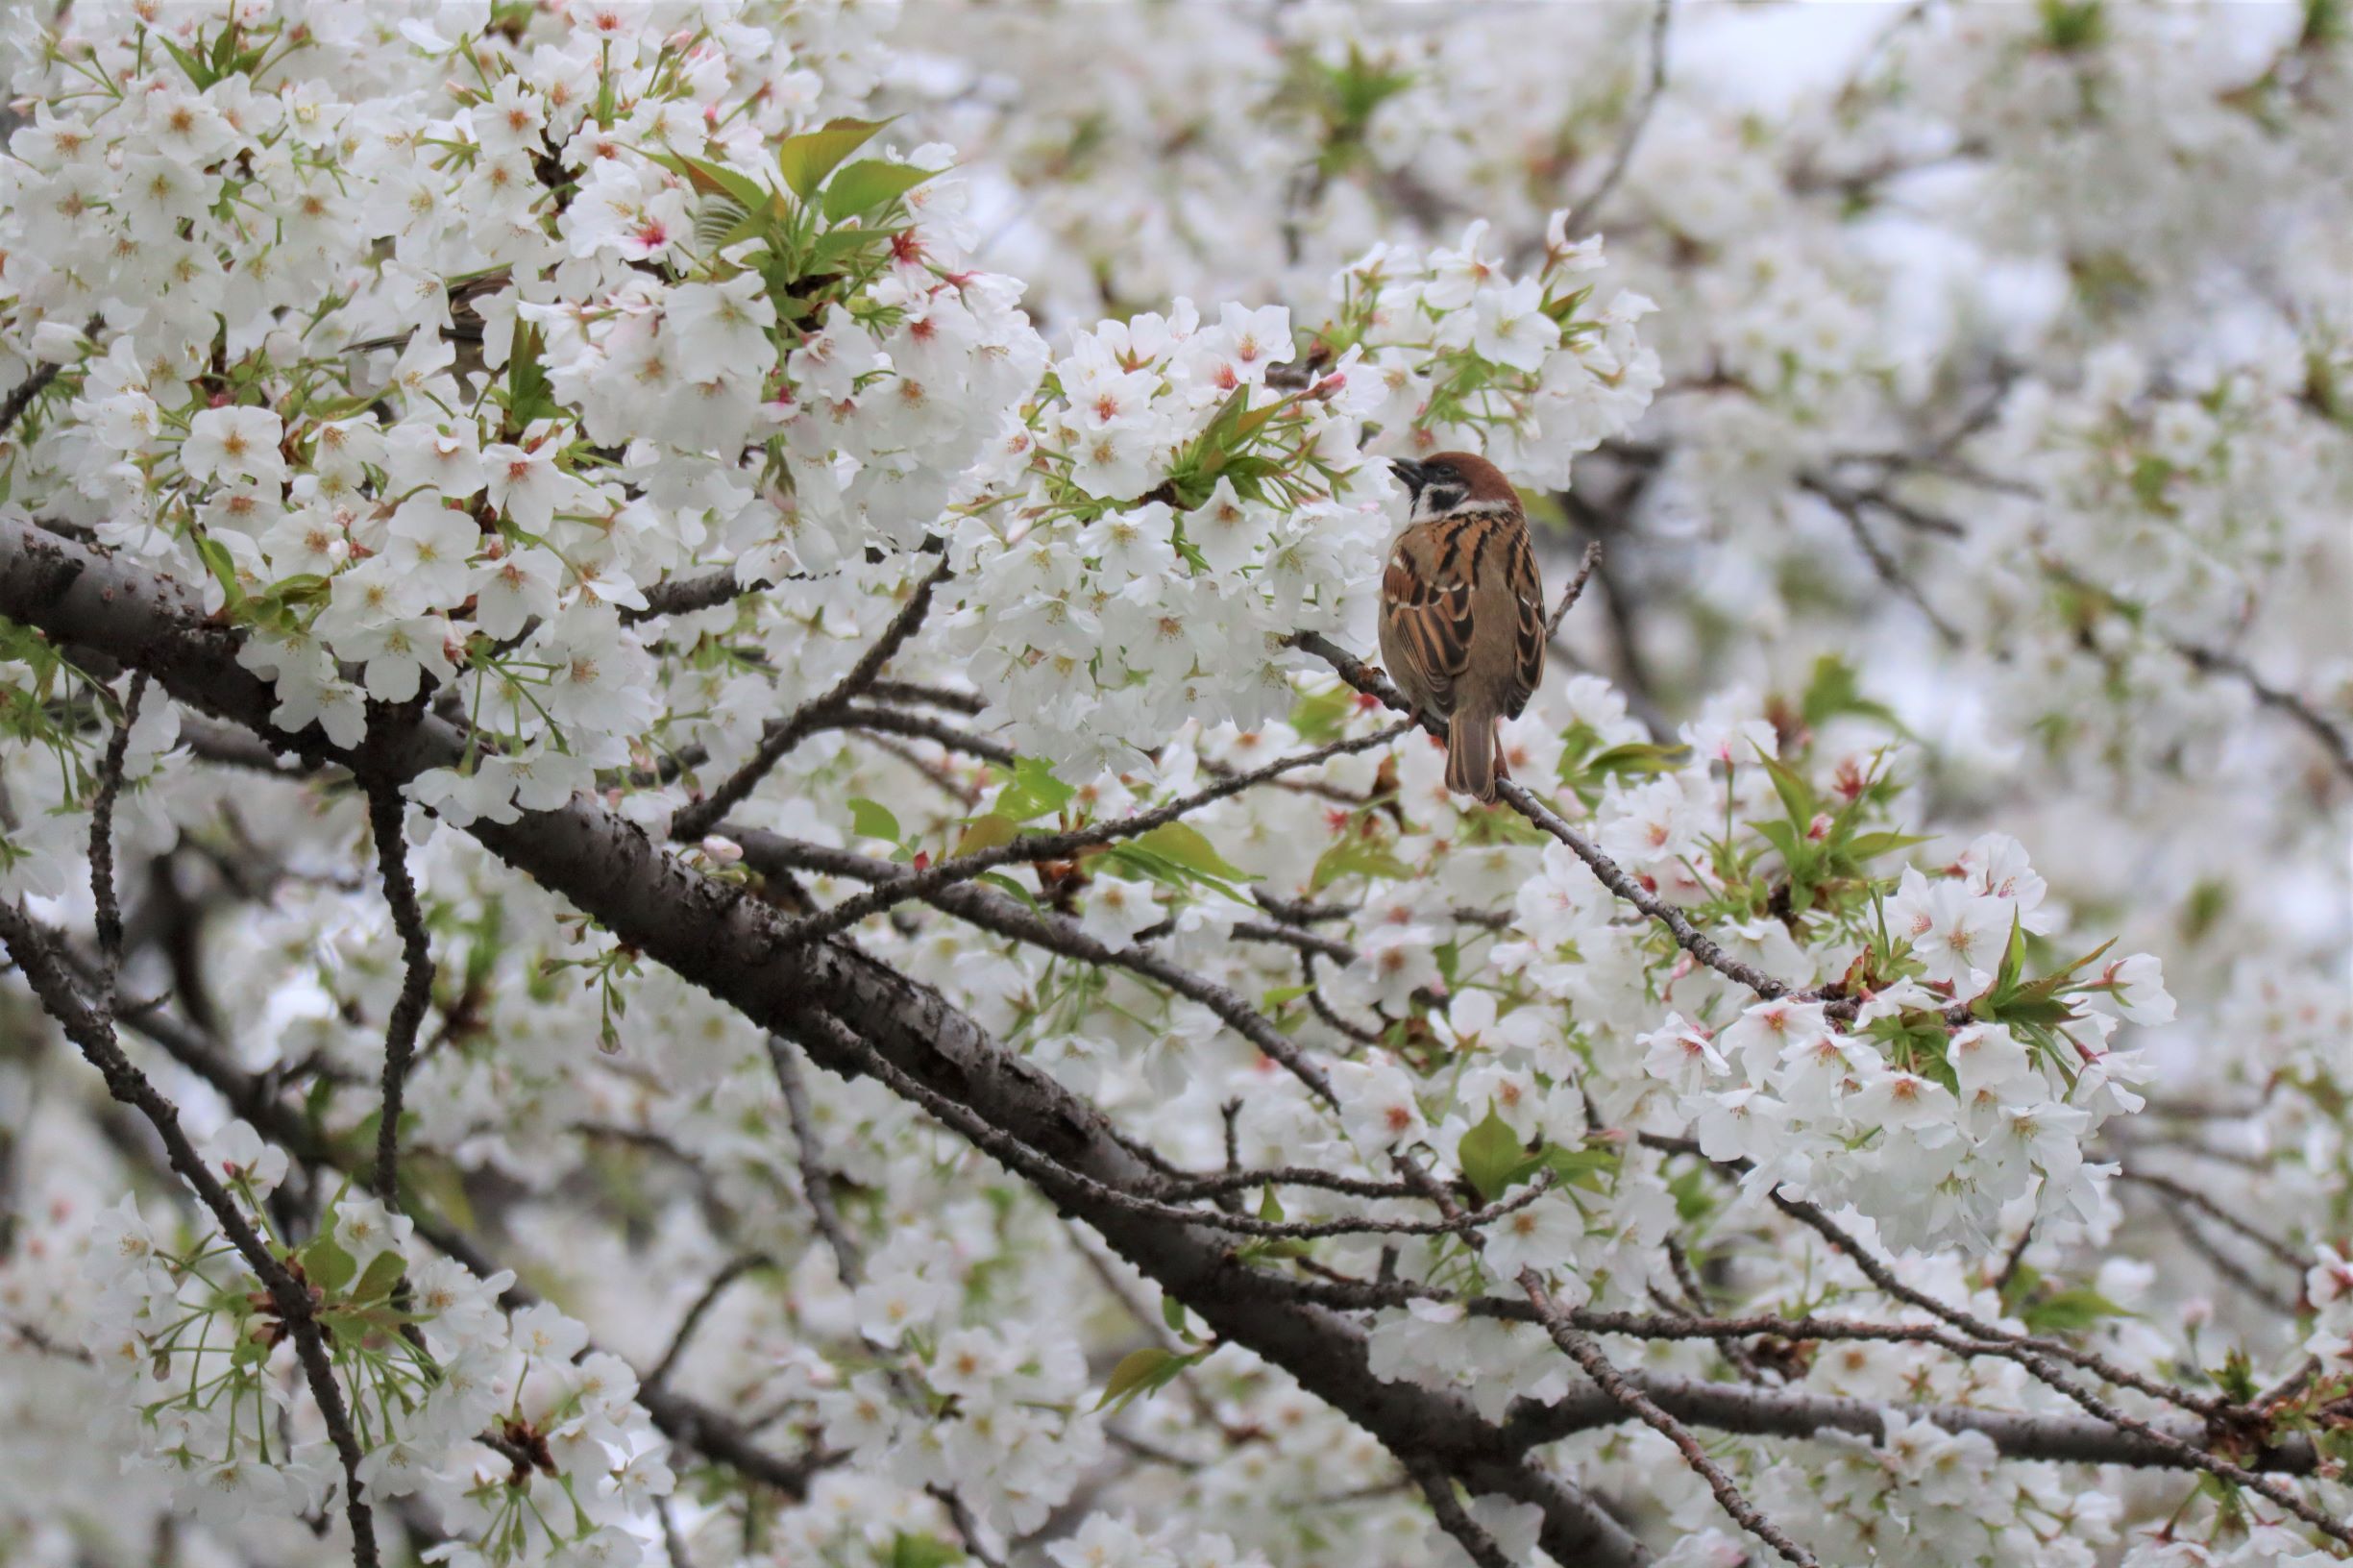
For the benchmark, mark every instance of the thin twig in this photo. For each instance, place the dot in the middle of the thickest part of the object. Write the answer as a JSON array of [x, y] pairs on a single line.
[[21, 397], [815, 1180], [2209, 661], [385, 812], [1588, 1355], [2034, 1352], [772, 854], [37, 957], [694, 821], [1364, 678], [674, 1544], [1585, 568], [1052, 1175], [699, 1309], [1849, 508], [1630, 137], [924, 884], [110, 914], [1453, 1518], [816, 1186], [2184, 1192]]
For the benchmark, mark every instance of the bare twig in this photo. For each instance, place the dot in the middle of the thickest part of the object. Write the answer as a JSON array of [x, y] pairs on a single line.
[[1849, 510], [21, 396], [37, 957], [924, 884], [1364, 678], [817, 1184], [110, 914], [385, 810], [1586, 567], [2183, 1193], [699, 1309], [2211, 661], [815, 1180], [693, 821], [1453, 1518], [1588, 1355], [1631, 136], [772, 853]]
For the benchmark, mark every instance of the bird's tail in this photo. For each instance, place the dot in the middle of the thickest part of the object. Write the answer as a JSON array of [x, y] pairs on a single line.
[[1474, 755]]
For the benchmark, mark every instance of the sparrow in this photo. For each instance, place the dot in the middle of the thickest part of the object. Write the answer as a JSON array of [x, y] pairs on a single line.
[[1462, 610]]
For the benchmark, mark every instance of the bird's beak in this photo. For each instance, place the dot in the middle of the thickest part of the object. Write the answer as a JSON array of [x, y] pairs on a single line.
[[1412, 473]]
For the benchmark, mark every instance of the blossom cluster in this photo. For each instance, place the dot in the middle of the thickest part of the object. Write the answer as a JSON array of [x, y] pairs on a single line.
[[430, 1371]]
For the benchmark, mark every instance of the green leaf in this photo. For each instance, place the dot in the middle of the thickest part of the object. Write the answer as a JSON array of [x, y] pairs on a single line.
[[922, 1551], [1633, 758], [1032, 792], [870, 821], [1141, 1372], [829, 251], [866, 186], [711, 179], [1354, 856], [1172, 1313], [804, 161], [1278, 996], [1490, 1155], [1006, 885], [528, 394], [382, 1276], [1190, 848], [1836, 690], [1694, 1188], [1796, 794], [198, 74], [325, 1264], [986, 832], [1865, 847], [1592, 1168], [2066, 1311], [222, 565], [2013, 960], [1319, 716]]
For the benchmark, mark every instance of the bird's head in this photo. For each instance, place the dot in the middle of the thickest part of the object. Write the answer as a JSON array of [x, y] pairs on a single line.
[[1450, 482]]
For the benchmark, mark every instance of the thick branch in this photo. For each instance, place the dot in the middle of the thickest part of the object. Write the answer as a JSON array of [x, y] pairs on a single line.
[[1801, 1413]]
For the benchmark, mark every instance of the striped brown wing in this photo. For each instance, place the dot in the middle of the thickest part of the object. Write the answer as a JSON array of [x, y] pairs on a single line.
[[1527, 587], [1425, 626]]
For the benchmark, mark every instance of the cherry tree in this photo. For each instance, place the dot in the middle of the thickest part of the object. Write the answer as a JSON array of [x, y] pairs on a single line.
[[701, 865]]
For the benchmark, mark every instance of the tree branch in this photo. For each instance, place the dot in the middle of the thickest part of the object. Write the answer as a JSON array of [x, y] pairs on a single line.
[[1631, 137], [693, 821], [110, 914], [94, 1035], [1030, 848], [386, 811], [1622, 1391]]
